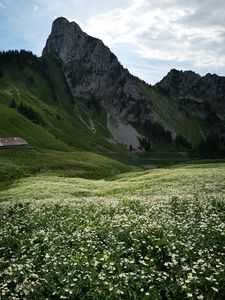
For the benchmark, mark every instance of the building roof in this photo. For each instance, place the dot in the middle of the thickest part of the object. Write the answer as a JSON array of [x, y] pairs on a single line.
[[12, 141]]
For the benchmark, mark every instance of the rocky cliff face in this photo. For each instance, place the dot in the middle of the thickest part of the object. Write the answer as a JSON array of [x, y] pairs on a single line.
[[93, 71], [183, 102], [202, 96], [179, 82], [187, 84]]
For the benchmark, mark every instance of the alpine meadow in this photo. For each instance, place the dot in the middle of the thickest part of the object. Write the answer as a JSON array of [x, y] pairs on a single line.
[[110, 187]]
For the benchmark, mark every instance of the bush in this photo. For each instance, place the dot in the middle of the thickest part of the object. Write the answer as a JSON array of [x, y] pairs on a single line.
[[31, 79], [158, 131], [213, 146], [29, 113], [144, 143], [13, 103], [182, 141]]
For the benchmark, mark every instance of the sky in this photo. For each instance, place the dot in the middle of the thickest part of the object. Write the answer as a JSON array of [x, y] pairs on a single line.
[[149, 37]]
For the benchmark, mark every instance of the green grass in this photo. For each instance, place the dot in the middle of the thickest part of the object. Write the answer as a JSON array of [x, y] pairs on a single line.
[[65, 119], [80, 225], [186, 181], [15, 164], [61, 127], [156, 234], [166, 111]]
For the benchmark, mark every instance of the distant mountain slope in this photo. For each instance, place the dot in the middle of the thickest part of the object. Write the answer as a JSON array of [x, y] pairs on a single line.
[[93, 73], [202, 97], [78, 95]]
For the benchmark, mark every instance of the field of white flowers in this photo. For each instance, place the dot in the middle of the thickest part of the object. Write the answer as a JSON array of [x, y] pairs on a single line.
[[156, 234]]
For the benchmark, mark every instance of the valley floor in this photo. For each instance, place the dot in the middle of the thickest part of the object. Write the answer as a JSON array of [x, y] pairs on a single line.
[[153, 234]]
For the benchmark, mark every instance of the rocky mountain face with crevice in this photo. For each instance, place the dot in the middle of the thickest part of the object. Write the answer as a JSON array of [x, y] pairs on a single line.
[[183, 104], [93, 71]]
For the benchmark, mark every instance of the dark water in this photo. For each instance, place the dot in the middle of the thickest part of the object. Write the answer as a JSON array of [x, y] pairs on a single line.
[[155, 160]]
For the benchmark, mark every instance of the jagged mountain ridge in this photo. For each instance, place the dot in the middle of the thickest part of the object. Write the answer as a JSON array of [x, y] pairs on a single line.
[[92, 69], [82, 96], [210, 87], [204, 95]]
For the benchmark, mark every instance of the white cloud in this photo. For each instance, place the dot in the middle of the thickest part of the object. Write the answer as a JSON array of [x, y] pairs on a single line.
[[161, 34], [166, 30], [35, 7]]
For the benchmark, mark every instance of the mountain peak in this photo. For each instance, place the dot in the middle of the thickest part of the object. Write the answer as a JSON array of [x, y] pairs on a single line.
[[63, 38], [93, 71], [62, 25], [181, 73], [60, 20], [178, 79]]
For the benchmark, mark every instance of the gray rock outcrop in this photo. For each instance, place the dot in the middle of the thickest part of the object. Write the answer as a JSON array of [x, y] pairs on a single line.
[[93, 71], [189, 85]]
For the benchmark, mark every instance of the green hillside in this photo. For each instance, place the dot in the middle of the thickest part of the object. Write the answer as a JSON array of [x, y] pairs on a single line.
[[16, 164], [36, 104], [77, 223], [167, 112], [50, 117]]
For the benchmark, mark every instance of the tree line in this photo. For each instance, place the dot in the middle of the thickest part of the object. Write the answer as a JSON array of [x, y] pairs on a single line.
[[211, 147], [27, 111], [19, 55], [160, 133]]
